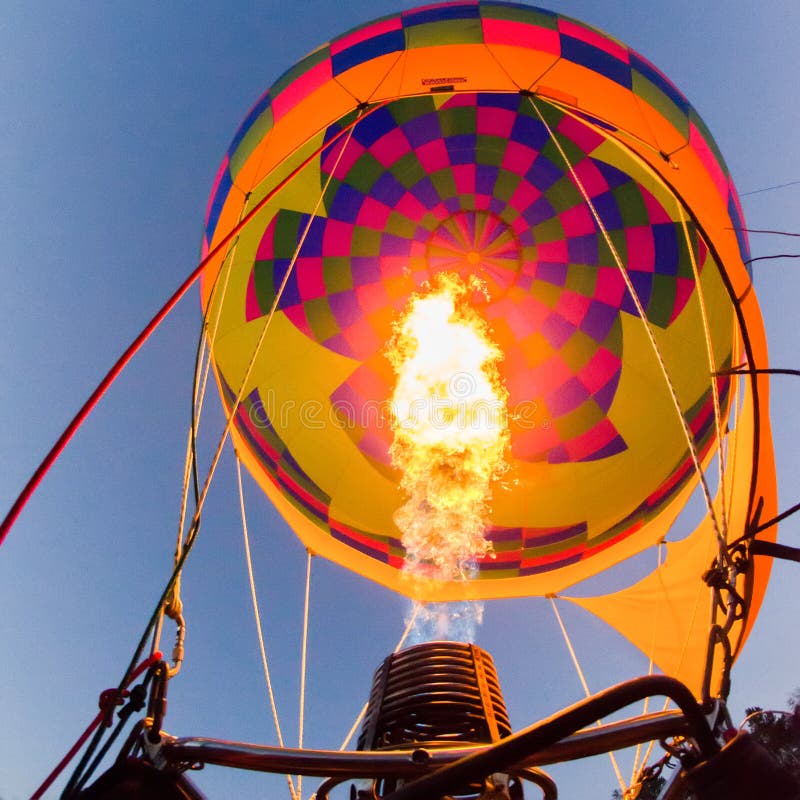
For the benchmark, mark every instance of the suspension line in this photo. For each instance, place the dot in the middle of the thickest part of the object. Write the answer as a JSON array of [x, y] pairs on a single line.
[[259, 627], [642, 315], [617, 771]]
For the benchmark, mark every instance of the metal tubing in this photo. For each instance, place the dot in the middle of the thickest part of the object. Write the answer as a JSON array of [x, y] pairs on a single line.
[[543, 734], [410, 762], [542, 780]]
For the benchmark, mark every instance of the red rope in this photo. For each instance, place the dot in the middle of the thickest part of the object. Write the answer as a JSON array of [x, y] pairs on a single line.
[[108, 700], [69, 756], [135, 346]]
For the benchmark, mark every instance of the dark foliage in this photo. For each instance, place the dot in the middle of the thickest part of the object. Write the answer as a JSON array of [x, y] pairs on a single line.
[[779, 732]]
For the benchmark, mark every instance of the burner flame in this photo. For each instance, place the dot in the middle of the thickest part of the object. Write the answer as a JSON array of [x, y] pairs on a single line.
[[450, 425]]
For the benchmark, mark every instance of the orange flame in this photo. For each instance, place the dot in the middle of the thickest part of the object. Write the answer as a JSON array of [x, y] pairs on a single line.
[[450, 426]]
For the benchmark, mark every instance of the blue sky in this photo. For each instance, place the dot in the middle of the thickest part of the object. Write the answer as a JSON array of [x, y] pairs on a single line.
[[115, 117]]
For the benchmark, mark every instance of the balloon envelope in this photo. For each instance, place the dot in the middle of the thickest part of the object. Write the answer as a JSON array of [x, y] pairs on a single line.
[[569, 174]]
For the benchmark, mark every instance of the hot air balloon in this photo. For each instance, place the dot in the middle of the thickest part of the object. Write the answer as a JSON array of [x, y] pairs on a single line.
[[584, 209], [574, 179]]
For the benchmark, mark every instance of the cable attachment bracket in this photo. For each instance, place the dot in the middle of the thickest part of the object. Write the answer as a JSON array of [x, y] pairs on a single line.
[[173, 608], [157, 702], [727, 600]]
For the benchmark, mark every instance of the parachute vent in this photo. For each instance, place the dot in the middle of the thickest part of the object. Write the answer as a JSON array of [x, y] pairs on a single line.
[[438, 692]]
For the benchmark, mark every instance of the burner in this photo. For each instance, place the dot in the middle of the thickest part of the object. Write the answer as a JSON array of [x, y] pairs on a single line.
[[437, 693]]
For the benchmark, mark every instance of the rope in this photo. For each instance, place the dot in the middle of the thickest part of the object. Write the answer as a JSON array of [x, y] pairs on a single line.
[[571, 649], [303, 662], [713, 371], [585, 685], [651, 663], [695, 609], [762, 230], [250, 366], [195, 524], [409, 626], [359, 719], [641, 312], [259, 628], [59, 768], [101, 388], [641, 144], [131, 669], [769, 188], [262, 336], [769, 258], [202, 365], [94, 398], [108, 700]]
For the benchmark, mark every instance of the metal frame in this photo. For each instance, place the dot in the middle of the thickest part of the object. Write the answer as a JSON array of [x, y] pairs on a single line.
[[432, 771]]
